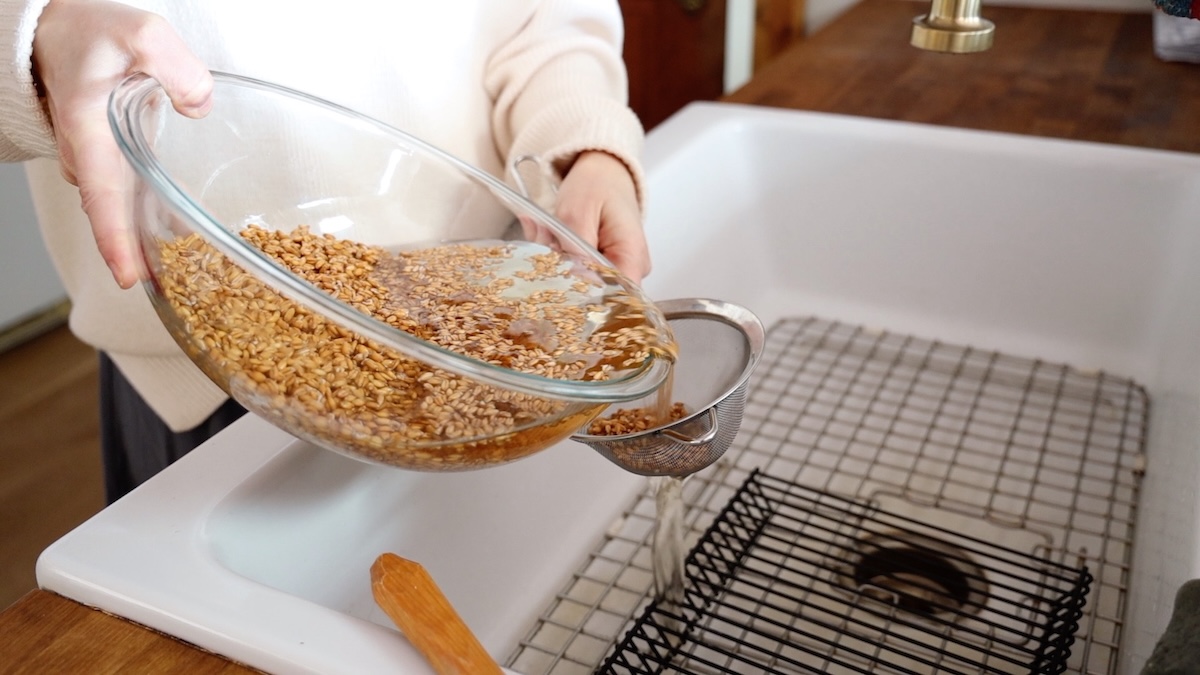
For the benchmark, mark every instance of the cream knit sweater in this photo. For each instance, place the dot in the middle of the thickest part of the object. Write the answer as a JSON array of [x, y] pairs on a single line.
[[483, 79]]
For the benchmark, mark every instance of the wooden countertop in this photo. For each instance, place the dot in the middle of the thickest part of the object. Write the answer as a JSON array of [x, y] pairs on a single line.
[[1070, 74], [45, 634], [1063, 73]]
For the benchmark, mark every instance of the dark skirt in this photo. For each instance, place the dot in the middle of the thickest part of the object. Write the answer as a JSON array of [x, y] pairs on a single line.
[[135, 443]]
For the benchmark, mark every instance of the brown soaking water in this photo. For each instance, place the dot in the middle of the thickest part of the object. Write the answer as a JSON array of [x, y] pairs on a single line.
[[667, 546], [667, 550]]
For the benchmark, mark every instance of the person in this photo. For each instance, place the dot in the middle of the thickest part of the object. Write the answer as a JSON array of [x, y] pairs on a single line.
[[486, 80]]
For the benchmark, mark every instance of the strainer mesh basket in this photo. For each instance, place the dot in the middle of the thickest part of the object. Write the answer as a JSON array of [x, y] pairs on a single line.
[[719, 345]]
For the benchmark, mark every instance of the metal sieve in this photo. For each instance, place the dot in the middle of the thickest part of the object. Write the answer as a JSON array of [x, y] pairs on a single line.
[[719, 345]]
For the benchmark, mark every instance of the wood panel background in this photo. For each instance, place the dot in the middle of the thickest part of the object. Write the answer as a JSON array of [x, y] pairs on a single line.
[[1059, 73], [674, 55], [675, 49], [777, 24]]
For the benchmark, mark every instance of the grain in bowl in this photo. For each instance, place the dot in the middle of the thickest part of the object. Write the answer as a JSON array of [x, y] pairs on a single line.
[[511, 305]]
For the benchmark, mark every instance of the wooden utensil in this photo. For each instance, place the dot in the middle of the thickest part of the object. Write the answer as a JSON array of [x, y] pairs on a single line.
[[407, 594]]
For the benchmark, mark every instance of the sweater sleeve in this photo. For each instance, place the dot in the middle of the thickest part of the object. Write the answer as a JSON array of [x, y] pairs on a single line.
[[560, 87], [25, 131]]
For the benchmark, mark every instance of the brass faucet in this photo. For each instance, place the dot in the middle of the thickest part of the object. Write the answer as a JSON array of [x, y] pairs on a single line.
[[953, 26]]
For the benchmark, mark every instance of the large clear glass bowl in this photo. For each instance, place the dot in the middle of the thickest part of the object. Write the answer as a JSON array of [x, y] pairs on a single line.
[[267, 160]]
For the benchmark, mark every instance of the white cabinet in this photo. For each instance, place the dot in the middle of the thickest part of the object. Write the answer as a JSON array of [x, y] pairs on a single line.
[[28, 282]]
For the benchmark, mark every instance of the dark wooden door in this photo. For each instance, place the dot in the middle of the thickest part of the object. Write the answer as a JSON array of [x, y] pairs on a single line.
[[675, 53]]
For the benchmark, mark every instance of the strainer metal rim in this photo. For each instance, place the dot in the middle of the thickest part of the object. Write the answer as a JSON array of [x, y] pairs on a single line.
[[729, 313]]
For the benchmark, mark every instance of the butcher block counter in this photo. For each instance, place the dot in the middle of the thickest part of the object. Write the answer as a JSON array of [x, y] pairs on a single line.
[[1068, 74], [1082, 75]]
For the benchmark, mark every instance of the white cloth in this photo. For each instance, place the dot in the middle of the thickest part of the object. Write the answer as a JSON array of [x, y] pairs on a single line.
[[486, 80]]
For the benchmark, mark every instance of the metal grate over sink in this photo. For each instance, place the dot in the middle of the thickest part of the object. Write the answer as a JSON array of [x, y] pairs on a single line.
[[1039, 458], [791, 580]]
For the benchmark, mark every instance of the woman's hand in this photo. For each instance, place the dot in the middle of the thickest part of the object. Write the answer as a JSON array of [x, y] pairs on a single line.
[[82, 49], [598, 201]]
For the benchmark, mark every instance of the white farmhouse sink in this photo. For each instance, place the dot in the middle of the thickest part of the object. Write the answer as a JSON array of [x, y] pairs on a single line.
[[257, 546]]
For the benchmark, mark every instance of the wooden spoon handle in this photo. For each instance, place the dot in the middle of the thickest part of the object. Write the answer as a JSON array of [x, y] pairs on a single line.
[[406, 592]]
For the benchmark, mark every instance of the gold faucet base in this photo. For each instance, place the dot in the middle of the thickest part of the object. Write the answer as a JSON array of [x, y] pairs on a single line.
[[958, 36]]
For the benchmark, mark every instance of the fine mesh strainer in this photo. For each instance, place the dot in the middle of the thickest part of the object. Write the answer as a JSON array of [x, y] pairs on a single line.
[[719, 345]]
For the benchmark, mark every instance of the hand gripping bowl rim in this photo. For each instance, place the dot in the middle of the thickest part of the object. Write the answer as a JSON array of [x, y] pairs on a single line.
[[127, 98]]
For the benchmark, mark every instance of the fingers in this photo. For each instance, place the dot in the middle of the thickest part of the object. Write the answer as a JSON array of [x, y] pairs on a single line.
[[614, 228], [104, 179], [581, 214], [598, 201], [631, 255], [84, 49], [104, 183]]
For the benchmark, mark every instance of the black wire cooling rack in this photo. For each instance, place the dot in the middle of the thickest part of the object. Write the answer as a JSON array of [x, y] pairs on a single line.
[[793, 580], [1031, 455]]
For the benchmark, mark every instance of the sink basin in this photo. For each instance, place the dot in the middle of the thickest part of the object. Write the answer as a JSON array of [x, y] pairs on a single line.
[[258, 546]]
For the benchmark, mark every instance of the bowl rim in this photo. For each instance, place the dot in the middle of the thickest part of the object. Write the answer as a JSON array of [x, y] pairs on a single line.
[[731, 314], [132, 93]]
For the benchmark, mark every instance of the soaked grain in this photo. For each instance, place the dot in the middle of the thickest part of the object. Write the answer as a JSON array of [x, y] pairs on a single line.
[[343, 390]]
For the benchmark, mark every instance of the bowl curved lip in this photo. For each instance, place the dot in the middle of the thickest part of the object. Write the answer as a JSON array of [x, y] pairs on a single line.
[[133, 92]]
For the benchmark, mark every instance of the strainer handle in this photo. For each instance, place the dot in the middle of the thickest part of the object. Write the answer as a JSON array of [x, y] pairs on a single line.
[[688, 440], [542, 169]]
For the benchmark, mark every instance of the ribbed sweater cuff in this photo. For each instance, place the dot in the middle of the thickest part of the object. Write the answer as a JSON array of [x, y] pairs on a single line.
[[25, 130], [558, 133]]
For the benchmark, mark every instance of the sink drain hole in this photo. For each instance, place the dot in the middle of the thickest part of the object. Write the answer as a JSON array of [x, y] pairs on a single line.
[[916, 574]]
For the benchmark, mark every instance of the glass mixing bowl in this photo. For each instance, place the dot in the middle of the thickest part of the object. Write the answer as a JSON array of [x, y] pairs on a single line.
[[368, 292]]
